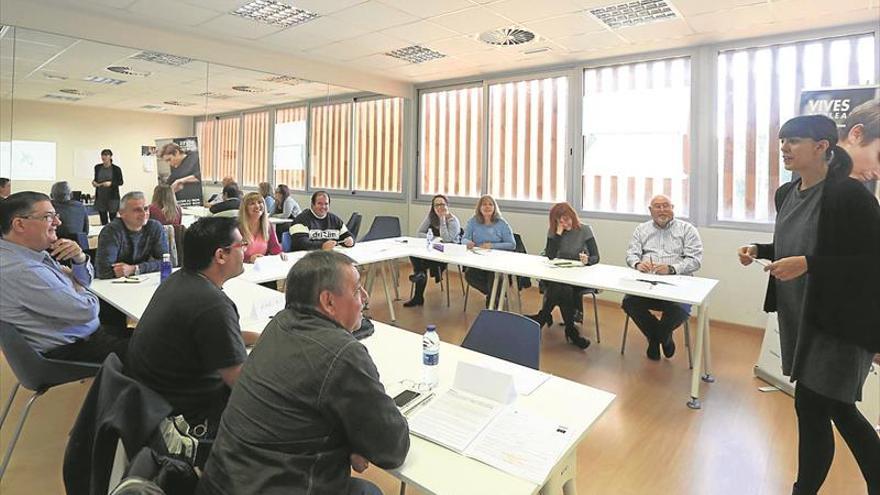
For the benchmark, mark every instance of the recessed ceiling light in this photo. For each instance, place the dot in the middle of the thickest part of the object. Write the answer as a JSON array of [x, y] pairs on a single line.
[[62, 97], [248, 89], [128, 71], [274, 13], [103, 80], [177, 103], [633, 13], [415, 54], [76, 92], [162, 58], [507, 37], [216, 96], [54, 77], [158, 108], [288, 80]]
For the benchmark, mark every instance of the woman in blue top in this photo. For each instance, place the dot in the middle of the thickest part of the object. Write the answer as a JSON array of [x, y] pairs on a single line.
[[486, 230], [445, 227]]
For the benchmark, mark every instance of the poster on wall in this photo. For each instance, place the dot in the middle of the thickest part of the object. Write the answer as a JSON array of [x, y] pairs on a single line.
[[179, 167], [148, 158]]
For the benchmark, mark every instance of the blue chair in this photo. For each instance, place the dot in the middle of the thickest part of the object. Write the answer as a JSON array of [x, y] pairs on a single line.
[[286, 242], [36, 373], [383, 227], [507, 336]]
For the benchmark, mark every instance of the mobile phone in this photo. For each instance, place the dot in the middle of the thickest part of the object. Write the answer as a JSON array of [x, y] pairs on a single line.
[[405, 397]]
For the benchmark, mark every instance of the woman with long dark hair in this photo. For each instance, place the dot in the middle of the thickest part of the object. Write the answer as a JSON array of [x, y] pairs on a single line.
[[108, 178], [825, 288], [445, 227]]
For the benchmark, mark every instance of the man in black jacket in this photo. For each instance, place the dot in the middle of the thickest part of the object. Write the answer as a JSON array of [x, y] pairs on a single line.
[[309, 406], [317, 228], [231, 199]]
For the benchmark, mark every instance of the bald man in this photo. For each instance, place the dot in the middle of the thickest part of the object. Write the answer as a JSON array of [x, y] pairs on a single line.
[[664, 245]]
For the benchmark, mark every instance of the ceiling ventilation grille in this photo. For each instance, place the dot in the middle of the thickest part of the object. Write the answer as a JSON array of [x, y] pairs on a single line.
[[158, 108], [634, 13], [62, 97], [103, 80], [415, 54], [274, 13], [75, 92], [128, 71], [507, 37], [177, 103], [162, 58], [54, 77], [216, 96], [248, 89], [288, 80]]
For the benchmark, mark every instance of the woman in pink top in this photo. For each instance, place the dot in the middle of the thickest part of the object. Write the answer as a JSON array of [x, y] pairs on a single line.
[[253, 222], [163, 207]]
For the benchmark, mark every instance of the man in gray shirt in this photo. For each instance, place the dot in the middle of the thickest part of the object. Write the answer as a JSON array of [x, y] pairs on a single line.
[[47, 302], [663, 246]]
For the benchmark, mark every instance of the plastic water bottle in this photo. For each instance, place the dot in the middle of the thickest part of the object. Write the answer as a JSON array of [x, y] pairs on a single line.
[[165, 271], [430, 236], [431, 356]]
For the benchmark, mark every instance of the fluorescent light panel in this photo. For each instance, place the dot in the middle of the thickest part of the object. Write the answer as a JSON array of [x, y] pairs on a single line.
[[633, 13], [415, 54], [274, 13]]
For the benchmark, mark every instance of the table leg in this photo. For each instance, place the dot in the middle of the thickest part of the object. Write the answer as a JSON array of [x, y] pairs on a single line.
[[562, 479], [504, 283], [494, 291], [702, 326], [385, 283], [707, 355]]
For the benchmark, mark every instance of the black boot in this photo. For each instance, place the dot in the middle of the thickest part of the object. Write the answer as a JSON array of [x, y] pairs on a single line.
[[543, 319], [419, 293], [573, 336]]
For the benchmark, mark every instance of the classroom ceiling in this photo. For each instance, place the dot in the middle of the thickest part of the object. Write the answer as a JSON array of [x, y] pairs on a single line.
[[358, 34]]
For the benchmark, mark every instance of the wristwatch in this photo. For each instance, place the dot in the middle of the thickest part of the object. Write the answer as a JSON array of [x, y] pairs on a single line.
[[137, 270], [671, 270]]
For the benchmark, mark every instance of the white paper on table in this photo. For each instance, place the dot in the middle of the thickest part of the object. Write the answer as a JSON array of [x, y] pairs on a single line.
[[522, 444], [526, 380], [454, 418], [267, 307], [268, 263]]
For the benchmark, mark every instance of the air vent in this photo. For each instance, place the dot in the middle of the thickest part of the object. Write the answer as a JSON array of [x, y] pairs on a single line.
[[177, 103], [158, 108], [274, 13], [507, 37], [216, 96], [535, 51], [633, 13], [288, 80], [103, 80], [54, 77], [248, 89], [128, 71], [162, 58], [75, 92], [62, 97], [415, 54]]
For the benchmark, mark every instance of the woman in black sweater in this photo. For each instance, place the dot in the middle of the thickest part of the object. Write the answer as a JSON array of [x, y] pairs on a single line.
[[567, 239], [108, 178], [825, 288]]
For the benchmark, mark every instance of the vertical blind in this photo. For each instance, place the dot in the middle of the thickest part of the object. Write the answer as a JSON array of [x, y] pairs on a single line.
[[206, 134], [451, 142], [227, 147], [289, 156], [255, 153], [330, 145], [758, 90], [378, 145], [528, 123]]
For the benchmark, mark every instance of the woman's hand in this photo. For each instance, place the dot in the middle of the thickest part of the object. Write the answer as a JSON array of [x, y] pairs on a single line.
[[584, 257], [176, 186], [470, 244], [486, 245], [747, 254], [283, 256], [788, 268], [559, 229]]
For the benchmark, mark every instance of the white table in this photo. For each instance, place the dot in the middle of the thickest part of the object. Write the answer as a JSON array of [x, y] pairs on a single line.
[[436, 469], [196, 211]]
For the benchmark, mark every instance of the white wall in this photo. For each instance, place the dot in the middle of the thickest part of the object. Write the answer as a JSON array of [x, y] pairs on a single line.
[[74, 127]]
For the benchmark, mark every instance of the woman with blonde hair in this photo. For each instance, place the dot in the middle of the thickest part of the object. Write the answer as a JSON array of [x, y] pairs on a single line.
[[253, 223], [486, 230], [163, 206]]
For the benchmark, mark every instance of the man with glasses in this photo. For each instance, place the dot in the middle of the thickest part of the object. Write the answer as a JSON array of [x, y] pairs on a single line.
[[309, 406], [188, 345], [663, 245], [47, 302], [132, 243]]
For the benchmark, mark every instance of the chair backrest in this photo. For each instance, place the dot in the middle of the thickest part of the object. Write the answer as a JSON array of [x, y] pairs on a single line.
[[507, 336], [383, 227], [354, 224], [34, 371], [227, 213], [175, 235], [286, 242], [521, 282]]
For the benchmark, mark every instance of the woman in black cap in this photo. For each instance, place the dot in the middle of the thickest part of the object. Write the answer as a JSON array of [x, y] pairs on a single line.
[[825, 288]]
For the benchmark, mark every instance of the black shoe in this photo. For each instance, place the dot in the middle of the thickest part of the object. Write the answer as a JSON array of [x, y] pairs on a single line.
[[540, 319], [669, 347], [574, 337], [414, 302], [653, 351], [417, 276]]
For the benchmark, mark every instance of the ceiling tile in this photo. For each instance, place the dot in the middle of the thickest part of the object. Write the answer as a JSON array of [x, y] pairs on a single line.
[[327, 27], [183, 14], [116, 4], [472, 21], [294, 40], [324, 7], [673, 28], [564, 26], [591, 41], [374, 16], [731, 20], [460, 44], [692, 7], [378, 62], [221, 6], [529, 10], [238, 27], [369, 44], [420, 32], [430, 8]]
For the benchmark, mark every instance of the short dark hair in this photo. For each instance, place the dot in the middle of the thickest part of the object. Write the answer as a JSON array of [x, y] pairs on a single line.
[[313, 274], [231, 190], [3, 181], [203, 238], [170, 149], [18, 205], [318, 193], [106, 151]]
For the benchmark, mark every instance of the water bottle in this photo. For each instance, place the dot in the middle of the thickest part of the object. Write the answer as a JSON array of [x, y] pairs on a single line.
[[165, 271], [430, 236], [431, 356]]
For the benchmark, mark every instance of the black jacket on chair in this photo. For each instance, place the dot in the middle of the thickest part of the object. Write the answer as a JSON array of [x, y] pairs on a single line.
[[116, 408]]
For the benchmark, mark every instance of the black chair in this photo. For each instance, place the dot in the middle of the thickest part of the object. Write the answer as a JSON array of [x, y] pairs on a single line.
[[383, 227], [354, 224], [507, 336], [521, 282], [34, 372]]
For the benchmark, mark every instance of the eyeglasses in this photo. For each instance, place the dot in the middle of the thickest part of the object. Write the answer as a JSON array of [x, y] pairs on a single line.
[[237, 245], [46, 217]]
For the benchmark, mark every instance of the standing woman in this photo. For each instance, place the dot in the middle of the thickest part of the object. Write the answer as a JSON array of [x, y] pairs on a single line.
[[444, 226], [268, 197], [163, 206], [486, 230], [825, 288], [108, 178], [568, 239], [253, 223]]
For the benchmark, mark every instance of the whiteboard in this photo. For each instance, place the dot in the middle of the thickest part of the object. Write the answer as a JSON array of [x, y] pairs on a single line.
[[27, 160]]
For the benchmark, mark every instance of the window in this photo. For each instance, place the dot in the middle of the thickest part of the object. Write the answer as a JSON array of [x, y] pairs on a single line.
[[226, 163], [758, 90], [528, 123], [255, 155], [330, 144], [206, 133], [636, 122], [289, 156], [378, 145], [451, 142]]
